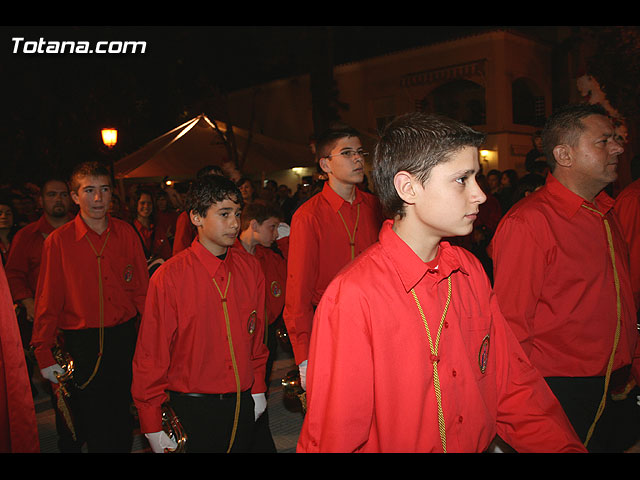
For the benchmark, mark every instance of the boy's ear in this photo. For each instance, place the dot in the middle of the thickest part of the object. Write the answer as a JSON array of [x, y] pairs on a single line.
[[253, 224], [405, 184], [324, 165], [195, 218]]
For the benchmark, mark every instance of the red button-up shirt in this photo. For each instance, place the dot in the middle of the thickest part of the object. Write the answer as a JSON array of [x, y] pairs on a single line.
[[23, 264], [182, 343], [18, 425], [319, 246], [154, 240], [185, 233], [67, 296], [274, 267], [555, 284], [627, 207], [370, 378]]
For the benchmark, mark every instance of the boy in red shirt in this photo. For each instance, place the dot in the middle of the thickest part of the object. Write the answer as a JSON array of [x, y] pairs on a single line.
[[409, 351], [91, 287], [200, 343], [259, 230], [327, 231]]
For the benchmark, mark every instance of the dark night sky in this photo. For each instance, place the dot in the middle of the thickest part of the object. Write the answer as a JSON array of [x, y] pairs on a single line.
[[54, 103]]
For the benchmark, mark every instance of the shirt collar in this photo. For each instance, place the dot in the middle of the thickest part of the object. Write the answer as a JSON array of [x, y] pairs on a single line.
[[82, 228], [335, 200], [44, 226], [409, 267], [568, 203], [210, 262], [140, 226]]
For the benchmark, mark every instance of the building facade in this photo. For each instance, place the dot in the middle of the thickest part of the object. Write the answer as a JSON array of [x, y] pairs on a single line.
[[498, 82]]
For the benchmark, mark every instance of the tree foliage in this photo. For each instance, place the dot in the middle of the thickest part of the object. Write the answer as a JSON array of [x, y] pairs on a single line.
[[615, 64]]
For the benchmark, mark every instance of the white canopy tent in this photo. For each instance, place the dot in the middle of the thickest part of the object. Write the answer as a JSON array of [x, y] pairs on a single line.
[[182, 151]]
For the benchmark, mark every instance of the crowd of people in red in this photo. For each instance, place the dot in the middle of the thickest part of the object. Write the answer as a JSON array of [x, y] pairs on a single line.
[[172, 295]]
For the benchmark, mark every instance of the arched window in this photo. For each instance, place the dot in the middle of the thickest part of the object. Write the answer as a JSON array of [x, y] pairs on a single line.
[[528, 103]]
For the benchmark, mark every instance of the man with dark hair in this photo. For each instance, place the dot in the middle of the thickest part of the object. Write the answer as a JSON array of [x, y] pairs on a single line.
[[328, 231], [200, 345], [409, 351], [92, 285], [23, 264], [23, 268], [561, 270]]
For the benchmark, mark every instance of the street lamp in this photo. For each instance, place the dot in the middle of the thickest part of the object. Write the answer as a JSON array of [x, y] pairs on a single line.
[[109, 137]]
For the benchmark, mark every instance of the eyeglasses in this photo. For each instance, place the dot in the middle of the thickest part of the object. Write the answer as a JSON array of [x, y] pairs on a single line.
[[350, 154]]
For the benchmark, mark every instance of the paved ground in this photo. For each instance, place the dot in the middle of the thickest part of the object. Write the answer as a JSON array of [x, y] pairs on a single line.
[[284, 418]]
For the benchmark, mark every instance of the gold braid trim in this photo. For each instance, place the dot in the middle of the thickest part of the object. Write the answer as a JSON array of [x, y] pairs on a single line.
[[616, 338], [101, 308], [352, 236], [435, 360], [233, 357]]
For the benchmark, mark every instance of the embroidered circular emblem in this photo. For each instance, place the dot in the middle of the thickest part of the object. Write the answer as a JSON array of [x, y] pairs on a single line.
[[276, 291], [483, 355], [251, 324], [128, 273]]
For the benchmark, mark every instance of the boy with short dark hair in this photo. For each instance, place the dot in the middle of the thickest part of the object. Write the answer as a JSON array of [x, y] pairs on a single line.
[[327, 231], [259, 230], [409, 351], [200, 342]]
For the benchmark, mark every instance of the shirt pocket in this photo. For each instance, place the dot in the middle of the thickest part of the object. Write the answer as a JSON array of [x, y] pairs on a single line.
[[476, 335]]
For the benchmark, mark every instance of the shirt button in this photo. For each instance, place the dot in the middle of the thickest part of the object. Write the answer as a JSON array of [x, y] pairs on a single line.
[[454, 373], [460, 419], [446, 324]]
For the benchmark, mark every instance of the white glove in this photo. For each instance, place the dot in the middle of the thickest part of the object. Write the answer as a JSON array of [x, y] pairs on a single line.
[[260, 400], [160, 442], [303, 374], [283, 230], [49, 373]]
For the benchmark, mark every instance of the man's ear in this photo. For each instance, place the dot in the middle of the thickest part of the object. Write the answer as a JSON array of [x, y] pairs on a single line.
[[405, 184], [563, 155]]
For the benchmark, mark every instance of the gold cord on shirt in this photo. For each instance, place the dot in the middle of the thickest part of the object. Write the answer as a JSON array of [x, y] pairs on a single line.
[[352, 236], [223, 297], [435, 359], [616, 280], [100, 307]]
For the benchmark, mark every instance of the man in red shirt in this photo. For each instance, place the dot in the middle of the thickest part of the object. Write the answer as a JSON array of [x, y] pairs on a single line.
[[409, 351], [92, 284], [328, 231], [627, 207], [23, 264], [562, 280], [200, 344], [23, 267]]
